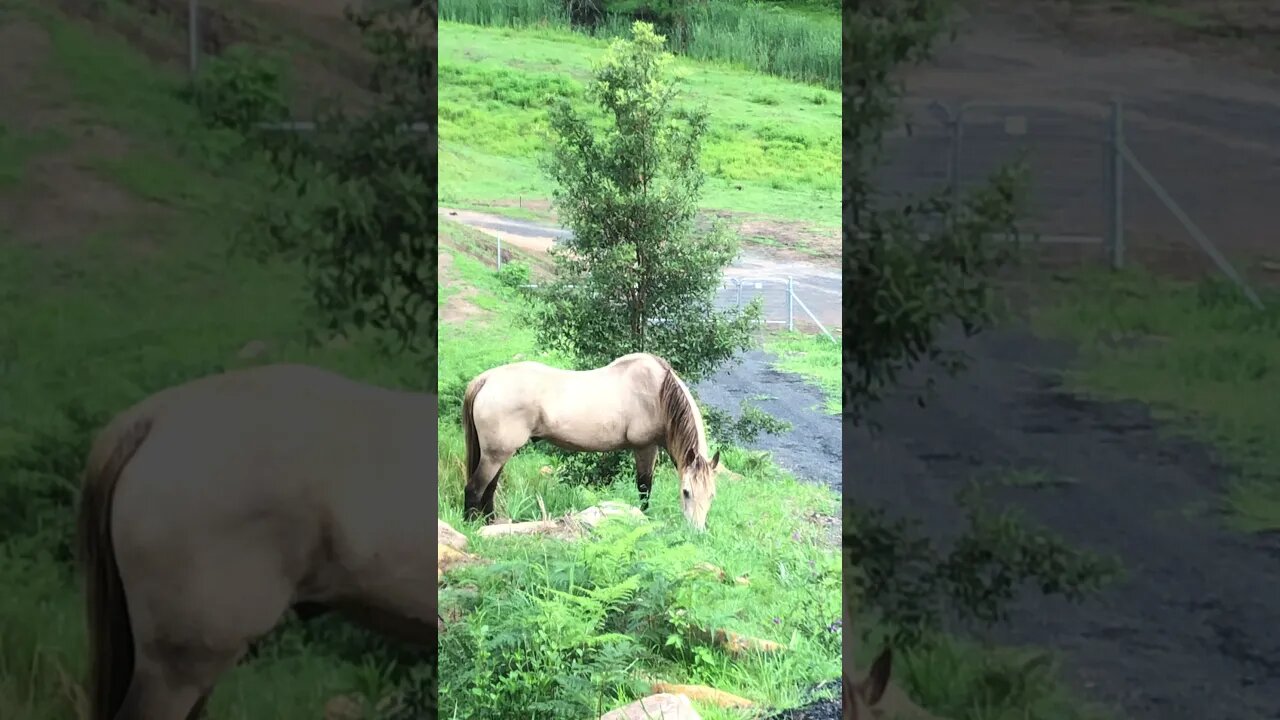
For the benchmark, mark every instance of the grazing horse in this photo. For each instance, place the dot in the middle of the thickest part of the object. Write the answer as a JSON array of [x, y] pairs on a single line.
[[636, 403], [212, 508]]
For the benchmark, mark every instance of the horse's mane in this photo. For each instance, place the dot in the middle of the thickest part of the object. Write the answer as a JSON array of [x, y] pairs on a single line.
[[684, 427]]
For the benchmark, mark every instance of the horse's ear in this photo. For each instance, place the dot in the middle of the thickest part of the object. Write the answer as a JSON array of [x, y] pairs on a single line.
[[878, 677], [691, 457], [715, 460]]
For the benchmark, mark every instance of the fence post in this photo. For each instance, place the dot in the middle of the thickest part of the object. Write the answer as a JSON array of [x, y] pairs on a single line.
[[957, 136], [791, 304], [193, 37], [1115, 194], [499, 252], [739, 282]]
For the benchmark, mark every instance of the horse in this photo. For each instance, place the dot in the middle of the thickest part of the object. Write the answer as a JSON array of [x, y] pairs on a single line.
[[637, 403], [876, 698], [212, 508]]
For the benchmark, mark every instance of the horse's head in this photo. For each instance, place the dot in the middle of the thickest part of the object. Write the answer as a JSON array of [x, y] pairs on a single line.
[[698, 487]]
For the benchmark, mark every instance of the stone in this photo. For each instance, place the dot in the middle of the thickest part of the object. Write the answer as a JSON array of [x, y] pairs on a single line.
[[593, 516], [667, 706], [252, 350], [446, 535]]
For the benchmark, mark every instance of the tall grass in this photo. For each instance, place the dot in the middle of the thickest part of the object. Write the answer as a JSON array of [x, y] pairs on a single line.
[[771, 39], [505, 13]]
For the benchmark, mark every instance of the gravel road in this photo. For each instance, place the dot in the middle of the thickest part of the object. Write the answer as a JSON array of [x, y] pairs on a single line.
[[1193, 629]]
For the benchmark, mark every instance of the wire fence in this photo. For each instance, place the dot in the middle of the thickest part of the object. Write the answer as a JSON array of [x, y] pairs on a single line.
[[780, 300], [1175, 189]]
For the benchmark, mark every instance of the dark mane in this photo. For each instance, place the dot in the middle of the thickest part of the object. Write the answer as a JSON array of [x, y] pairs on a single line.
[[682, 425]]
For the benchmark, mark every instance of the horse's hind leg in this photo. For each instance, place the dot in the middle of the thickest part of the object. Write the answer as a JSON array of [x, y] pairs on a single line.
[[172, 686], [486, 503], [482, 485], [646, 458]]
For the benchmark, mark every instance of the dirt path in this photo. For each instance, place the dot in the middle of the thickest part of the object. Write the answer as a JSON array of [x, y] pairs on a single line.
[[754, 274], [1193, 630]]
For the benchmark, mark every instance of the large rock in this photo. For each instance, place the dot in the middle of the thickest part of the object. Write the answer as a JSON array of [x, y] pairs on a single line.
[[593, 516], [667, 706], [568, 527], [447, 536]]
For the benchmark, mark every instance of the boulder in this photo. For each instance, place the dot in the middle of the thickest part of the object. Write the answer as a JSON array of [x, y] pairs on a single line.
[[593, 516], [447, 536], [668, 706], [703, 693]]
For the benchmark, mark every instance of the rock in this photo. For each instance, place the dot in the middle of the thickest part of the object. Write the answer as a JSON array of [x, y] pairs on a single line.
[[447, 558], [593, 516], [532, 527], [343, 707], [667, 706], [446, 535], [703, 693], [252, 350]]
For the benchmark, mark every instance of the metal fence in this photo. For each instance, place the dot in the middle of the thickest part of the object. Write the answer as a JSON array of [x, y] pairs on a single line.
[[1110, 182], [781, 305]]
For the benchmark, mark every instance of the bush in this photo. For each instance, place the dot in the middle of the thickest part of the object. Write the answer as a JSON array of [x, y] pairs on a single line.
[[39, 485], [239, 89], [913, 586], [514, 274]]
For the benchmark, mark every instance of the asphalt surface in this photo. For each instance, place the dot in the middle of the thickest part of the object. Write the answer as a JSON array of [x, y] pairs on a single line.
[[811, 450], [753, 274], [1192, 631]]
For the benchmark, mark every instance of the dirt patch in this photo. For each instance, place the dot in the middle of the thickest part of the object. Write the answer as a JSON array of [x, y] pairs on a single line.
[[458, 307], [539, 207], [61, 199], [1246, 31], [25, 50], [789, 240]]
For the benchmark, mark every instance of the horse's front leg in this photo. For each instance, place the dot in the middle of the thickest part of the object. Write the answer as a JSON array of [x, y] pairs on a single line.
[[646, 458]]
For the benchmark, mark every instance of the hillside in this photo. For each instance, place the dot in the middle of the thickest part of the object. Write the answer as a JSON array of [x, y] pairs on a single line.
[[118, 209]]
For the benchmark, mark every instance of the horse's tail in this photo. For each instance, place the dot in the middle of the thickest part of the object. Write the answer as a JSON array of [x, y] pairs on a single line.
[[111, 658], [469, 424]]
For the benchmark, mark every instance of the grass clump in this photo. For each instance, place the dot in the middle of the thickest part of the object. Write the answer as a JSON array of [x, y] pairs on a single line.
[[1200, 355], [814, 358]]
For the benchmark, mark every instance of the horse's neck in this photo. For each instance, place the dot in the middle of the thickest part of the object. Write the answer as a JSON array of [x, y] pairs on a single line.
[[676, 439]]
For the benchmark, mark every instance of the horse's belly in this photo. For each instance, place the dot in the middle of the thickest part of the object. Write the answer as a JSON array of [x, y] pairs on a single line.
[[598, 434]]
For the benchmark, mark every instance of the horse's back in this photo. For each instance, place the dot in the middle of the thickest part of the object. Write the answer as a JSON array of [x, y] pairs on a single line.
[[303, 462]]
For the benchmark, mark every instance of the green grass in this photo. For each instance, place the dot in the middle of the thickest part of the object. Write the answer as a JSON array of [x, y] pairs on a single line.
[[17, 149], [1206, 361], [773, 147], [814, 358], [801, 44], [756, 529]]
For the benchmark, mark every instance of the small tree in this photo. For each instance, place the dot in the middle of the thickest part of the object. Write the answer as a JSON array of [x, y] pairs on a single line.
[[899, 292], [636, 276]]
